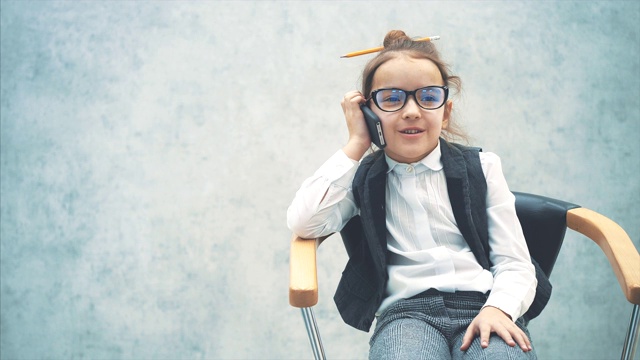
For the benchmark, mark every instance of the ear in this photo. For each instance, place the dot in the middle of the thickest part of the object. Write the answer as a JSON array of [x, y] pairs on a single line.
[[448, 107]]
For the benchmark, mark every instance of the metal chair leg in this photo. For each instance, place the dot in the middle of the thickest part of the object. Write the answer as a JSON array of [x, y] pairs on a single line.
[[631, 340], [314, 334]]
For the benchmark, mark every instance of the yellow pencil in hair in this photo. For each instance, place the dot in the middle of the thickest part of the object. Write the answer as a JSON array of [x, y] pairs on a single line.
[[380, 48]]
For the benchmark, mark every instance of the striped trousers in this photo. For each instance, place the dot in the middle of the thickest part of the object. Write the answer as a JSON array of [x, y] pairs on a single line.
[[431, 326]]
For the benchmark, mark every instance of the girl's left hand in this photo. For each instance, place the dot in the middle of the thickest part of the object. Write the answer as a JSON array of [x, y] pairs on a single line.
[[493, 320]]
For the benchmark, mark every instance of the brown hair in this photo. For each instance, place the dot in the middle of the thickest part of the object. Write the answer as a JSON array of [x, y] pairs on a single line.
[[396, 42]]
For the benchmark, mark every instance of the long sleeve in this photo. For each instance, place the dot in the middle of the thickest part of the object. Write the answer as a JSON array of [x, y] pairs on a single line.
[[514, 275], [324, 202]]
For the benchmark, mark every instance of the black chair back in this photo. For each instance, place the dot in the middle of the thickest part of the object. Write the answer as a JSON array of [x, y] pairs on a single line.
[[544, 223]]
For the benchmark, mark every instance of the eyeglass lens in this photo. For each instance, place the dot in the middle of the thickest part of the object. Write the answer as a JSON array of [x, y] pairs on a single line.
[[430, 97]]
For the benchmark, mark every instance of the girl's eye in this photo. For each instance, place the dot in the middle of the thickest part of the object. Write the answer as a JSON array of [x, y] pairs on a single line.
[[429, 96], [391, 99], [391, 96]]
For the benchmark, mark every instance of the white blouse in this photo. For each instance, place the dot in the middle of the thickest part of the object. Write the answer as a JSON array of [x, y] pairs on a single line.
[[425, 246]]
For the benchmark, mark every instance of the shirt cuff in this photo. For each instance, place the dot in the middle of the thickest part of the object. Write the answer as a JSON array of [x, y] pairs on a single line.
[[506, 303]]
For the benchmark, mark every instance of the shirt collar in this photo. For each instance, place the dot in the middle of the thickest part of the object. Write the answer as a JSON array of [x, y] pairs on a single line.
[[431, 161]]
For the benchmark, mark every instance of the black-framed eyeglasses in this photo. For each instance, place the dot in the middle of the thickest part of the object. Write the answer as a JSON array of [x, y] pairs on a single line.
[[429, 98]]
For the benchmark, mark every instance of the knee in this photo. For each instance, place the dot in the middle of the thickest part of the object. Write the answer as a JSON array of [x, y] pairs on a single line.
[[497, 349], [408, 339]]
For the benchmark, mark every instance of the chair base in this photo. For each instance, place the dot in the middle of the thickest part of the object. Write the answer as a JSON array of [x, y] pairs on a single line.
[[631, 340], [313, 332]]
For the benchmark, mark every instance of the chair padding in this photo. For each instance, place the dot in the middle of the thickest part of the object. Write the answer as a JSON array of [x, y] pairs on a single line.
[[544, 223]]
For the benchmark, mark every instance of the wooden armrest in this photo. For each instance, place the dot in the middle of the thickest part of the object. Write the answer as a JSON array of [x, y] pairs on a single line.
[[616, 245], [303, 272]]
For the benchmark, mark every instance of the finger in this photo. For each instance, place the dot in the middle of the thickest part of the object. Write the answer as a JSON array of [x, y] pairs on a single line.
[[506, 336], [513, 336], [350, 97], [522, 340], [485, 334], [351, 106], [353, 95], [528, 342], [357, 100], [467, 339]]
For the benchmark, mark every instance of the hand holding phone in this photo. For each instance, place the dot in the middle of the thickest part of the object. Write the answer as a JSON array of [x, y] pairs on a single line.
[[374, 125]]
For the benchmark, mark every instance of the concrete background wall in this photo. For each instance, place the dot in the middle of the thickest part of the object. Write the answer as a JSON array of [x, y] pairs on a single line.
[[149, 151]]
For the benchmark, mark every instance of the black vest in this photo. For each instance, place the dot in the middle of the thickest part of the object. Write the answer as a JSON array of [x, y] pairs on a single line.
[[363, 283]]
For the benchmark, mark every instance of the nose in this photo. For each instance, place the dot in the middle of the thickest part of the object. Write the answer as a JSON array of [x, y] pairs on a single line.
[[411, 110]]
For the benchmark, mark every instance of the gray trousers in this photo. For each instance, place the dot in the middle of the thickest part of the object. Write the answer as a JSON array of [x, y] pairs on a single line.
[[431, 326]]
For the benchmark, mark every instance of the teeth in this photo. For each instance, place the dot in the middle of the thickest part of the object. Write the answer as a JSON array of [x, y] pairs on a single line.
[[411, 131]]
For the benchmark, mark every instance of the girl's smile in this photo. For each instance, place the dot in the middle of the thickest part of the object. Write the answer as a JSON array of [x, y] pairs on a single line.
[[412, 131]]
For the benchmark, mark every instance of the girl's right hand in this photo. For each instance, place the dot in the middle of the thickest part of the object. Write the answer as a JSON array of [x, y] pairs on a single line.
[[359, 139]]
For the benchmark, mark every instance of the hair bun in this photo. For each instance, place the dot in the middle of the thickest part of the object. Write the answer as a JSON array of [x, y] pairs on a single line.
[[394, 37]]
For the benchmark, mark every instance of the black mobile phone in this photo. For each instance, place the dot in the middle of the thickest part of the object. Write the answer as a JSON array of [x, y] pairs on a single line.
[[374, 125]]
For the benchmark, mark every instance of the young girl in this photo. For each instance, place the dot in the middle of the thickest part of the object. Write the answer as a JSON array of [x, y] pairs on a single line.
[[436, 252]]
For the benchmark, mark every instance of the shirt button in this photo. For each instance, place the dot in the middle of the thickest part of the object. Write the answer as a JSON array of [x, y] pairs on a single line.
[[409, 169]]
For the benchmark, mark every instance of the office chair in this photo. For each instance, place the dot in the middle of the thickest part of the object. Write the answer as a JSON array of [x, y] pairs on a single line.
[[544, 223]]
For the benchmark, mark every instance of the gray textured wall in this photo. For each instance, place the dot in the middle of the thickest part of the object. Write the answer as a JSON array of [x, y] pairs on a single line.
[[150, 150]]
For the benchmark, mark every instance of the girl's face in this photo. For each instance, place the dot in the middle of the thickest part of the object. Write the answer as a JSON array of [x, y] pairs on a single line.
[[412, 132]]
